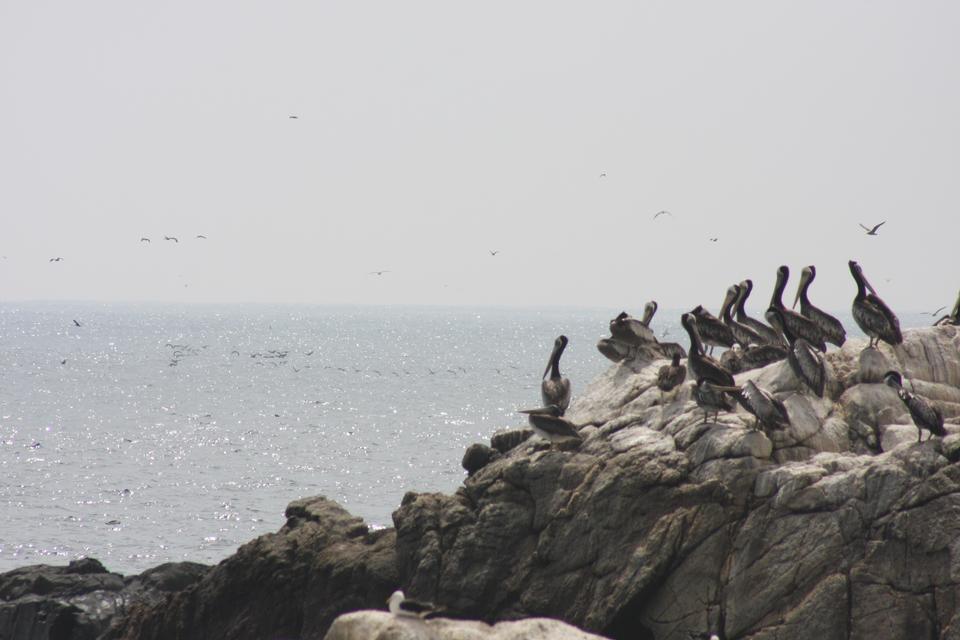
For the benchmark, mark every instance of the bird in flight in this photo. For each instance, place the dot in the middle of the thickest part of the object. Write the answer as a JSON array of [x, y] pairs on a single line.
[[660, 213], [201, 236], [379, 273], [171, 238], [77, 323], [713, 239], [872, 232], [493, 253], [55, 259], [144, 239], [293, 117], [603, 175], [933, 313]]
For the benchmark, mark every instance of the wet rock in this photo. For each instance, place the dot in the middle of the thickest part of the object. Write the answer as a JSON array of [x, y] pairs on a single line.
[[504, 441]]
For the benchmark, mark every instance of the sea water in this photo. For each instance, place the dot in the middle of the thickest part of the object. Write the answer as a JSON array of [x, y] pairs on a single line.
[[154, 433]]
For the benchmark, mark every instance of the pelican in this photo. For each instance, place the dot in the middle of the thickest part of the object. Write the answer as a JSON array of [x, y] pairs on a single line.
[[798, 325], [770, 412], [630, 330], [742, 334], [548, 423], [555, 390], [953, 318], [871, 313], [711, 398], [712, 331], [671, 375], [701, 365], [872, 231], [614, 349], [769, 335], [806, 362], [831, 328], [649, 310], [670, 349], [925, 415], [402, 606]]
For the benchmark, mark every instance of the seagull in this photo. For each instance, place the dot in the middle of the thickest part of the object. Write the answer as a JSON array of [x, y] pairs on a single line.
[[293, 117], [55, 259], [379, 273], [401, 606], [713, 239], [64, 361], [493, 253], [603, 175], [202, 237], [872, 232], [77, 323], [660, 213], [171, 238], [144, 239]]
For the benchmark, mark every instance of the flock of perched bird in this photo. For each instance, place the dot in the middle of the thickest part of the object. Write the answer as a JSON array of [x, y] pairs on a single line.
[[799, 337]]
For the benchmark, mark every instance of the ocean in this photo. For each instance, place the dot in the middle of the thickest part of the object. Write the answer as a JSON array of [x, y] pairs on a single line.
[[154, 433]]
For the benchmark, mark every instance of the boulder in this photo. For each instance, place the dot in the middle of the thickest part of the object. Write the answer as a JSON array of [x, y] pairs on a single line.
[[379, 625]]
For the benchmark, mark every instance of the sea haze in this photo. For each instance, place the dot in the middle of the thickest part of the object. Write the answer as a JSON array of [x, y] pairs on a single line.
[[181, 432]]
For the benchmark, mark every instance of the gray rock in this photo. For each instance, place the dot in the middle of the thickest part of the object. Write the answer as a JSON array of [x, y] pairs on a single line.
[[378, 625], [504, 441]]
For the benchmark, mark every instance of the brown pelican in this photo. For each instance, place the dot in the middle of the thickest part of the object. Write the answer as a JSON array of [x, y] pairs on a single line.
[[671, 375], [831, 328], [630, 330], [953, 318], [872, 231], [614, 349], [742, 334], [753, 357], [649, 310], [401, 606], [769, 335], [701, 365], [711, 398], [798, 325], [806, 362], [925, 415], [769, 411], [548, 423], [670, 349], [871, 313], [712, 331], [555, 390]]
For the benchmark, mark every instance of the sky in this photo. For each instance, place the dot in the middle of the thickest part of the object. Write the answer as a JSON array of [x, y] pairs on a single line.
[[429, 134]]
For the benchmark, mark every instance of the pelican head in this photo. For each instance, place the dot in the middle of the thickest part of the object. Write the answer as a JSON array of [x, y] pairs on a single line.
[[857, 272], [558, 346], [649, 310], [806, 275], [893, 379]]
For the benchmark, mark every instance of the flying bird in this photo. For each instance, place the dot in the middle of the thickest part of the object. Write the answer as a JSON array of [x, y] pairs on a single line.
[[144, 239], [171, 238], [933, 313], [493, 253], [77, 323], [603, 175], [379, 273], [293, 117], [201, 237], [713, 239], [873, 231], [55, 259], [661, 213]]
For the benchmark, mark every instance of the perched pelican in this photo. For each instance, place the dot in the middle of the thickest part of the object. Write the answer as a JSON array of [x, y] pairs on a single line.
[[871, 313], [742, 334], [712, 331], [711, 398], [555, 390], [549, 425], [925, 415], [769, 335], [753, 357], [401, 606], [670, 349], [769, 411], [630, 330], [831, 328], [872, 231], [953, 318], [649, 310], [614, 349], [671, 375], [701, 365], [806, 362], [798, 325]]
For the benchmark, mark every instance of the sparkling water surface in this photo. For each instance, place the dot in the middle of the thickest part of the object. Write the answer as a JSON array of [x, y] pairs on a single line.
[[156, 433]]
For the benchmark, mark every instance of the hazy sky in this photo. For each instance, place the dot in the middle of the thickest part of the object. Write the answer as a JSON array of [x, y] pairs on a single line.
[[430, 133]]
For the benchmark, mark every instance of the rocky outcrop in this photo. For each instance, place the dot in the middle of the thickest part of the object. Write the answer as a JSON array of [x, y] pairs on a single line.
[[79, 601], [291, 584], [378, 625], [661, 525]]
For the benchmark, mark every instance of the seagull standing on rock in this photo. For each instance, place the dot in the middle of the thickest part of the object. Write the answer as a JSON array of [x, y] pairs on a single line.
[[403, 607]]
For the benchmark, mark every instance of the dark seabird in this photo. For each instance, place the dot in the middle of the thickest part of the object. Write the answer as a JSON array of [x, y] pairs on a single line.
[[755, 356], [401, 606], [649, 310], [933, 313], [171, 238], [806, 362], [769, 411], [711, 398], [77, 323], [55, 259], [954, 316], [555, 390], [925, 414], [872, 231], [293, 117], [378, 273], [201, 237], [661, 213], [670, 349], [831, 328], [630, 330], [493, 253], [548, 423], [799, 326], [712, 331], [671, 375], [871, 314], [701, 365], [769, 334], [742, 334], [614, 349], [144, 239]]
